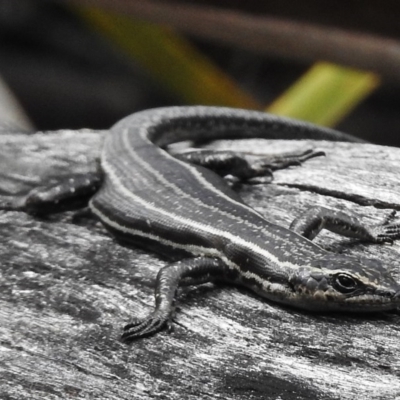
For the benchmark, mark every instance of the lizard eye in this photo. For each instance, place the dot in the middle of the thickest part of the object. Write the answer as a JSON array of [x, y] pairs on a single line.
[[344, 283]]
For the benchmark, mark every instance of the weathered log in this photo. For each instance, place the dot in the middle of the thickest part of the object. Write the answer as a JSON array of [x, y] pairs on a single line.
[[67, 288]]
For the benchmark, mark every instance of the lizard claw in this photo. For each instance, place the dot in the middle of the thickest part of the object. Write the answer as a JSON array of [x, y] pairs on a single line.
[[390, 217], [387, 230], [141, 327]]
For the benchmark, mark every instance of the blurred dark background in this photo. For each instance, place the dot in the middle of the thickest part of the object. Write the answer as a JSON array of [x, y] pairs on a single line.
[[66, 75]]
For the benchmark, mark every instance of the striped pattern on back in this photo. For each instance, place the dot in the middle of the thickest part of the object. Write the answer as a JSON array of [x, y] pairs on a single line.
[[149, 193]]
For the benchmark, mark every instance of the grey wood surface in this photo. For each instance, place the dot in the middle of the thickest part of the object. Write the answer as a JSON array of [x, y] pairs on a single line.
[[67, 287]]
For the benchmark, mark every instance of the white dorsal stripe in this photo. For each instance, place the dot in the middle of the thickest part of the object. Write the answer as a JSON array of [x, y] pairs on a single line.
[[196, 175], [198, 226], [193, 249], [143, 132]]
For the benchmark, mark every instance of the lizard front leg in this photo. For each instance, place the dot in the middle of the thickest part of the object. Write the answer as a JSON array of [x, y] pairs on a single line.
[[317, 218], [187, 272]]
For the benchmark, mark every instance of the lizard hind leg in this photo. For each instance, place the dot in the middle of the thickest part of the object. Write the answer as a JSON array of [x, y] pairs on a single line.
[[191, 271], [70, 193], [244, 165]]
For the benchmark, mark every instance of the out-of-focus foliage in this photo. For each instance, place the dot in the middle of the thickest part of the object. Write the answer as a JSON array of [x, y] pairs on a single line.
[[324, 95], [171, 60]]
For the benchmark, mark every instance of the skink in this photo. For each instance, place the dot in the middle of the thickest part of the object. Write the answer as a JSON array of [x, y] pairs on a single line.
[[182, 202]]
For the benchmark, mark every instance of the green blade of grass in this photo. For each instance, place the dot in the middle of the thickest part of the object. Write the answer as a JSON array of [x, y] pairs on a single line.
[[170, 59], [325, 94]]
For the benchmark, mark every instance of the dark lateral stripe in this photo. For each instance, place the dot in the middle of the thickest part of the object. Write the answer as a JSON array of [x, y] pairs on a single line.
[[153, 224], [148, 193]]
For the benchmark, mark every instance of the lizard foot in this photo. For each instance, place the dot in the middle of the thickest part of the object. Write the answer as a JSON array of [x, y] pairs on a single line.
[[286, 160], [141, 327], [388, 230]]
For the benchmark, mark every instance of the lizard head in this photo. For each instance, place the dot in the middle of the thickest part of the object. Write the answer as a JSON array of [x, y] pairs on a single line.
[[345, 283]]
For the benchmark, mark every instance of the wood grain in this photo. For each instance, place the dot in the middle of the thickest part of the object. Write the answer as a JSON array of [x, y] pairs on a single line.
[[67, 287]]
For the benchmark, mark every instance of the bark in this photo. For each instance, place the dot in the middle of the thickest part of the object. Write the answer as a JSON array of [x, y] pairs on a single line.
[[67, 288]]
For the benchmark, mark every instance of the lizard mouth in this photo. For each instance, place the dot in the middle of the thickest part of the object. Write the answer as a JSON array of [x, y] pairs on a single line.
[[393, 295], [379, 301]]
